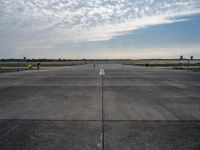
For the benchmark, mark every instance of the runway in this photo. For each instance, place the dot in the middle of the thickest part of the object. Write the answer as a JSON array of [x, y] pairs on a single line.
[[109, 107]]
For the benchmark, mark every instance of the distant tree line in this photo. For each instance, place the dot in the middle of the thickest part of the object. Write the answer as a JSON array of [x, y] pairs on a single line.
[[62, 60]]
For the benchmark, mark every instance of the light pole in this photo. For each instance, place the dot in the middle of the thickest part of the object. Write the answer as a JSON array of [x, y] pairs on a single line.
[[188, 62], [18, 64]]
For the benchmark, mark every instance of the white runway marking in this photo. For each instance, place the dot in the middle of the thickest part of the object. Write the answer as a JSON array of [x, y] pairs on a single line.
[[102, 72]]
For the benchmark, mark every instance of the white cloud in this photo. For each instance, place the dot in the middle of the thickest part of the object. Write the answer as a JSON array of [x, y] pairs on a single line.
[[57, 21]]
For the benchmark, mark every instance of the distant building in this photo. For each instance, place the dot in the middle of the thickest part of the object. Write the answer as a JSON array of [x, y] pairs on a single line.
[[191, 57], [181, 57]]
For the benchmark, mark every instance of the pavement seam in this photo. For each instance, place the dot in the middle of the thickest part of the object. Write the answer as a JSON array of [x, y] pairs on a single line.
[[103, 138], [9, 131], [50, 120]]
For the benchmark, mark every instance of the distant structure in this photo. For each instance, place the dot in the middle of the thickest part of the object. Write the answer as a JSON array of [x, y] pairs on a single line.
[[191, 57], [181, 57], [24, 58]]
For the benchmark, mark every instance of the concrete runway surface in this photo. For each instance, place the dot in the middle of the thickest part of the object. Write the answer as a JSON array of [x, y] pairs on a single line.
[[80, 108]]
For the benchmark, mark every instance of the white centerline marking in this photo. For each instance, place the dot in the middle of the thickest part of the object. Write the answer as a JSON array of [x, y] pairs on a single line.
[[102, 72]]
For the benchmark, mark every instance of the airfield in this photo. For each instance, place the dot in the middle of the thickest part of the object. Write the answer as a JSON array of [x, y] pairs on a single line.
[[109, 107]]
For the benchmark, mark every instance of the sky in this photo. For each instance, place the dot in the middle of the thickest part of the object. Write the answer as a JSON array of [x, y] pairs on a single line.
[[99, 29]]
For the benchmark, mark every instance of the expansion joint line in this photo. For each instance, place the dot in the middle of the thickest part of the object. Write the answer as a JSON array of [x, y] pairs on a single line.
[[102, 121]]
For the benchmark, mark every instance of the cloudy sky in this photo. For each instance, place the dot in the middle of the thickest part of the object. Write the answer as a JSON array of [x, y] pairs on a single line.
[[99, 28]]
